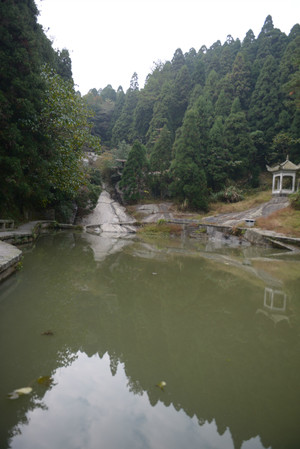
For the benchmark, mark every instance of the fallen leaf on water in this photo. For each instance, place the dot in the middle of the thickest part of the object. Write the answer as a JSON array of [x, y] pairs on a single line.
[[161, 385], [25, 390], [45, 380], [47, 333], [19, 392]]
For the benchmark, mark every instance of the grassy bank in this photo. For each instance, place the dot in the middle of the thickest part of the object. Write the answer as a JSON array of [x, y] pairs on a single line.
[[160, 229], [285, 221]]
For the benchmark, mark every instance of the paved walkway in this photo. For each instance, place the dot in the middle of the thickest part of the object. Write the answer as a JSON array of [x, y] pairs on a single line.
[[152, 213], [10, 256], [26, 229], [263, 210], [109, 216]]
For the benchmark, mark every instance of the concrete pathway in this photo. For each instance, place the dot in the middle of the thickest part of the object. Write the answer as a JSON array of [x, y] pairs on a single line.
[[152, 213], [263, 210], [10, 256], [109, 216], [26, 229]]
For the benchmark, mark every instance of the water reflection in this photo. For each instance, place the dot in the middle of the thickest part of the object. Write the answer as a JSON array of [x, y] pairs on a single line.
[[106, 244], [128, 421], [275, 306], [125, 324]]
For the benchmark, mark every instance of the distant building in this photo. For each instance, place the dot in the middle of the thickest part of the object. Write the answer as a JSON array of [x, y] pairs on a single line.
[[285, 179]]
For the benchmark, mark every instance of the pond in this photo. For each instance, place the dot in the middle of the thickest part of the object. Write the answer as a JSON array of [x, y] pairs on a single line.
[[94, 325]]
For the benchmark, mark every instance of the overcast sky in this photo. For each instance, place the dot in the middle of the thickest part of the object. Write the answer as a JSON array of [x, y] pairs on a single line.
[[109, 40]]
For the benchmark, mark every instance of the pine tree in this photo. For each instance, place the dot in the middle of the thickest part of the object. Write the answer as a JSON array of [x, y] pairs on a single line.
[[160, 160], [189, 178], [238, 141], [218, 160], [23, 50], [161, 154], [266, 99], [133, 181]]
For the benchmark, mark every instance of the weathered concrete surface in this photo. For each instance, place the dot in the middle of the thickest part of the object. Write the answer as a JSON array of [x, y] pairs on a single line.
[[10, 256], [155, 212], [109, 216], [23, 231]]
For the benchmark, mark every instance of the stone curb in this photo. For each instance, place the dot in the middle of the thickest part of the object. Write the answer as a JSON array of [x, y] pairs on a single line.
[[10, 256]]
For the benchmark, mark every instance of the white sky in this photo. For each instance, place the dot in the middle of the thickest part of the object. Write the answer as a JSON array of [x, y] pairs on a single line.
[[109, 40]]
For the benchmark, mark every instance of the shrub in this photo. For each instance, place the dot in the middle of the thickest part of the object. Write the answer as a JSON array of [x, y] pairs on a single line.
[[295, 200], [230, 194]]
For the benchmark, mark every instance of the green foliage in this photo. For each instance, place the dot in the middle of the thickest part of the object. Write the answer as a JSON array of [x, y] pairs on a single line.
[[230, 194], [23, 48], [189, 183], [133, 182], [122, 151], [44, 124], [295, 200], [161, 154], [88, 194], [244, 98], [64, 122]]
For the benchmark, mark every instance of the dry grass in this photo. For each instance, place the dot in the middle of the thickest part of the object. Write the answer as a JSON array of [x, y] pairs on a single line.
[[248, 203], [160, 228], [285, 221]]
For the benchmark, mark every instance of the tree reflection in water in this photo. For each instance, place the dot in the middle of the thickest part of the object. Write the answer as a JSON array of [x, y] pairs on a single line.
[[194, 324]]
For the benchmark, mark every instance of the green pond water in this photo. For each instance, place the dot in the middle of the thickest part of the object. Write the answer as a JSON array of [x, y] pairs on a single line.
[[104, 320]]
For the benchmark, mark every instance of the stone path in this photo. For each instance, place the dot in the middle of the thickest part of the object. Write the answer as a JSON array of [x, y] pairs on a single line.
[[109, 216], [152, 213], [263, 210], [10, 256], [24, 230]]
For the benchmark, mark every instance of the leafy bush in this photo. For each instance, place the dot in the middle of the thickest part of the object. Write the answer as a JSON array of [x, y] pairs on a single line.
[[87, 196], [95, 177], [295, 200], [230, 194]]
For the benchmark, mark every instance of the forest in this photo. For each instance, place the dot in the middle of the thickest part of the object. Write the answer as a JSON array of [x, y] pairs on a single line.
[[208, 120], [204, 126]]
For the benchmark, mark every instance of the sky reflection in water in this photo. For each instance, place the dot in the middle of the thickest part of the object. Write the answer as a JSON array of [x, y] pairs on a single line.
[[89, 408]]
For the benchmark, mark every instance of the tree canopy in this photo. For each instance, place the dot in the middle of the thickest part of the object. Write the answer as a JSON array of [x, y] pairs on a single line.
[[44, 124], [245, 101]]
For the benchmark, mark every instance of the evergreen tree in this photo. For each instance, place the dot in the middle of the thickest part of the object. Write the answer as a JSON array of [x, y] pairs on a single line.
[[180, 99], [189, 178], [161, 113], [224, 101], [64, 65], [238, 141], [241, 79], [211, 88], [160, 160], [23, 50], [178, 61], [161, 154], [124, 126], [133, 182], [218, 160], [205, 117], [249, 47], [266, 99]]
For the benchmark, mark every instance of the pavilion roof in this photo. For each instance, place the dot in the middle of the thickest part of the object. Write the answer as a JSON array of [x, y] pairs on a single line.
[[287, 165]]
